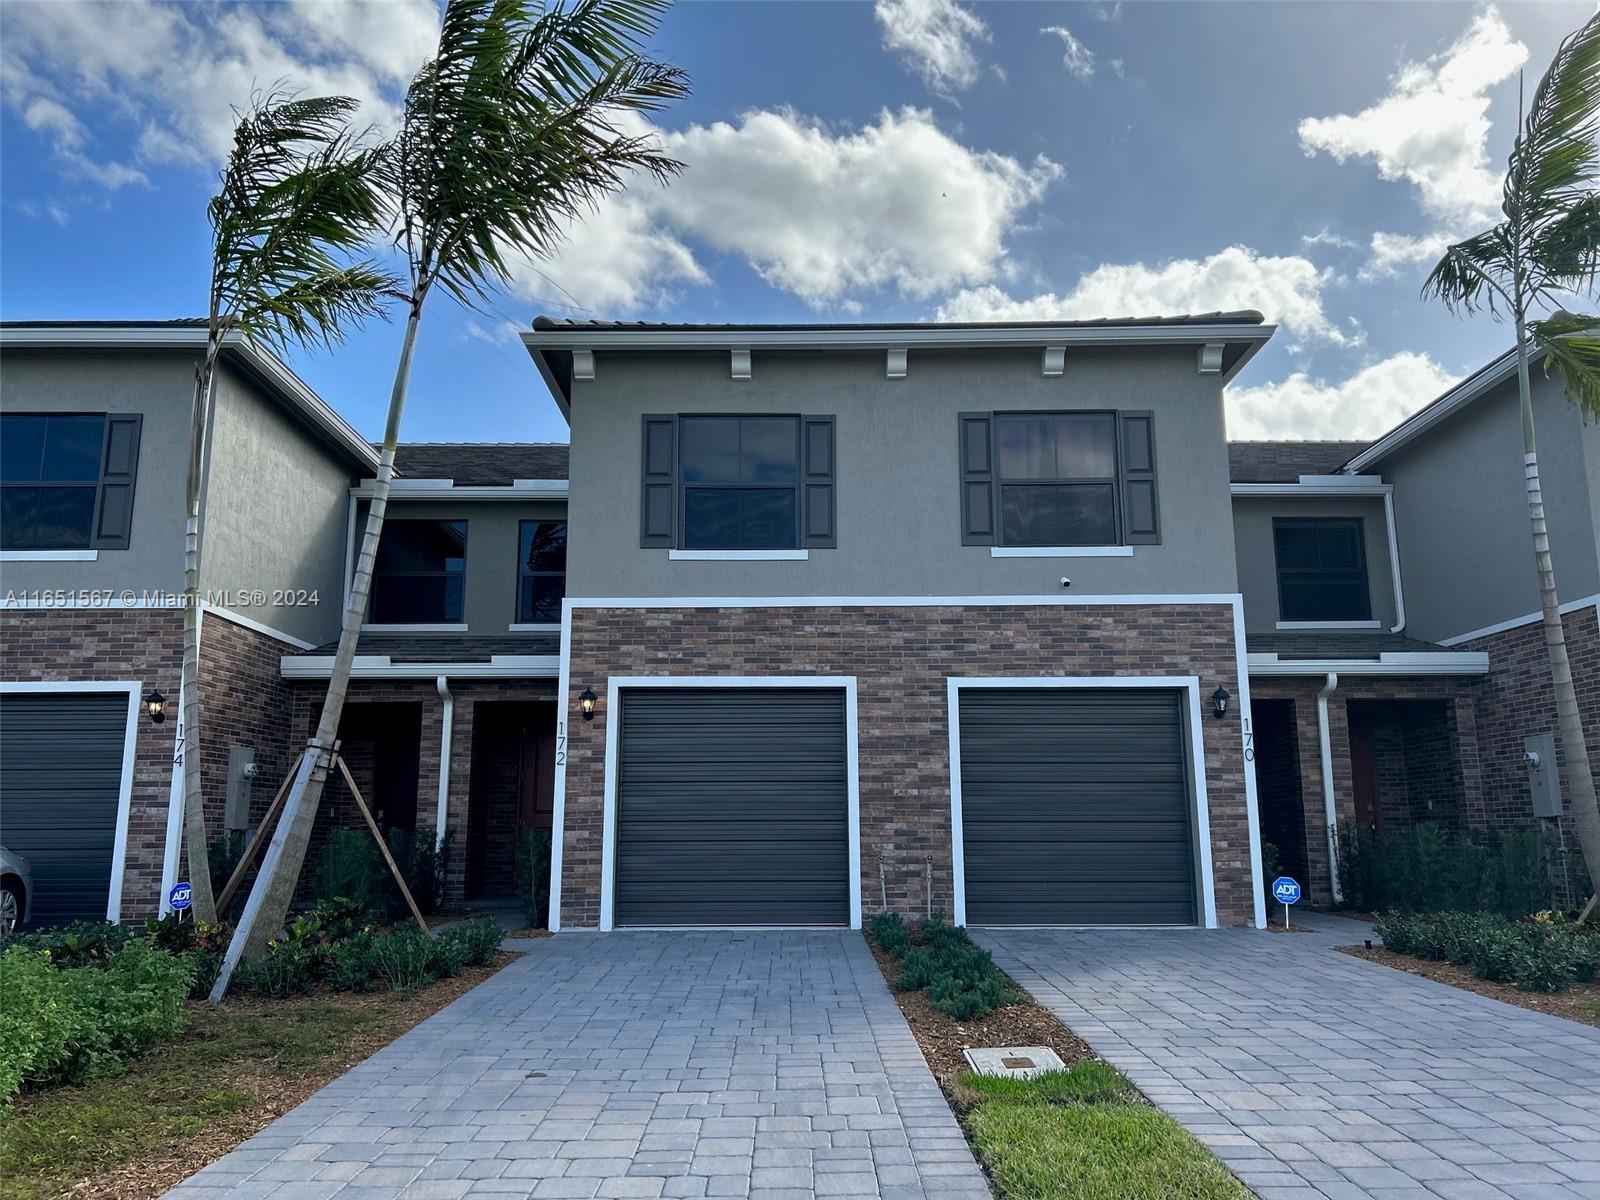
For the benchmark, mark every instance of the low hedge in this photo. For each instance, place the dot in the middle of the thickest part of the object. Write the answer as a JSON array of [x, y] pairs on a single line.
[[959, 977], [1428, 868], [65, 1024], [1544, 954]]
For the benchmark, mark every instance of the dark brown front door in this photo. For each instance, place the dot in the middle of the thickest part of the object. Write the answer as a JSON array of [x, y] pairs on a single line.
[[1364, 776]]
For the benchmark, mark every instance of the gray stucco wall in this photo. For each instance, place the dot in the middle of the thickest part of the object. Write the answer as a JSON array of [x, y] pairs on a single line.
[[897, 493], [159, 386], [1258, 576], [490, 601], [275, 509], [1461, 507]]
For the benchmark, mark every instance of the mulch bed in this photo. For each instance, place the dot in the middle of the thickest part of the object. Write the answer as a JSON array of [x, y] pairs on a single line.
[[943, 1038], [276, 1094], [1580, 1002]]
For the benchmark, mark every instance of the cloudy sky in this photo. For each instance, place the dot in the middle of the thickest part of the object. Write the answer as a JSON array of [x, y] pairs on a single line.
[[897, 160]]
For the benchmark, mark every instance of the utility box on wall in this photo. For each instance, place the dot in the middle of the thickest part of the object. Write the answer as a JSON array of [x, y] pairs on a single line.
[[1544, 780], [241, 771]]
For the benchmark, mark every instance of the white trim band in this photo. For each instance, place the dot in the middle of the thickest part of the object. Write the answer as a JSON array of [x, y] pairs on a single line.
[[1571, 606], [738, 555], [49, 555], [381, 666], [1060, 551], [1329, 624], [1403, 662]]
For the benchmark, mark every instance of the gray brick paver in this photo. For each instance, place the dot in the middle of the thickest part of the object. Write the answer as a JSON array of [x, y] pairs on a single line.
[[1312, 1073], [635, 1064]]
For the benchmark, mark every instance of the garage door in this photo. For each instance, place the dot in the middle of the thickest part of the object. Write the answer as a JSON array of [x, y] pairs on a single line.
[[60, 780], [732, 807], [1075, 807]]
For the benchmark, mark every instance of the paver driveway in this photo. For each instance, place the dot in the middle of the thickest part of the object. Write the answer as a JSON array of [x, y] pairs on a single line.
[[762, 1064], [1313, 1074]]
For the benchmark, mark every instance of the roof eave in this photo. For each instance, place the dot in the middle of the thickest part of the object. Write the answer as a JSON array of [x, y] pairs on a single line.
[[1479, 383]]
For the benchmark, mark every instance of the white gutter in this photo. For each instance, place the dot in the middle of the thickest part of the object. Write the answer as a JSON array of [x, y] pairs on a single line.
[[447, 724], [1394, 563], [1390, 662], [449, 489], [1330, 809], [381, 666]]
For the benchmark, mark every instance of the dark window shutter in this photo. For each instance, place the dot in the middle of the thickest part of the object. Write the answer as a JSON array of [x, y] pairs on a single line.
[[119, 469], [658, 504], [817, 503], [977, 479], [1141, 511]]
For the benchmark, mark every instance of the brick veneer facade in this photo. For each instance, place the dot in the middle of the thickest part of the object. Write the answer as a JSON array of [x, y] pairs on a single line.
[[901, 658], [1518, 692], [246, 703], [139, 645]]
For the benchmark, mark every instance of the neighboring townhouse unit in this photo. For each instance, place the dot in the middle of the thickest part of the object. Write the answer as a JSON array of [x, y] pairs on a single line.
[[848, 605], [1398, 665], [94, 431], [461, 650]]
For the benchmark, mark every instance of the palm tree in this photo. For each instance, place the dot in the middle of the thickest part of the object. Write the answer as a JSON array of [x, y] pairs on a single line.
[[296, 197], [1545, 252], [509, 134]]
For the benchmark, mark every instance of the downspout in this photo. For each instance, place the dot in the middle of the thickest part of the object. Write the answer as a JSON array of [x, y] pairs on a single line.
[[1330, 809], [446, 728], [1394, 563]]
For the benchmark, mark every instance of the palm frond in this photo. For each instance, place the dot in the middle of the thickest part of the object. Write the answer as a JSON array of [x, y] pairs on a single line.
[[516, 128], [298, 199], [1571, 345], [1556, 156], [1473, 274]]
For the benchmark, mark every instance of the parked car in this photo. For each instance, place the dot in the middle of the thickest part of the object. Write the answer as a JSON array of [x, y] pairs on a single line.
[[16, 891]]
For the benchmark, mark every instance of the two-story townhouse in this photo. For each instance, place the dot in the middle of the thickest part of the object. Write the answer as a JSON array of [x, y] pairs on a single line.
[[94, 429], [1398, 666], [926, 617], [450, 723]]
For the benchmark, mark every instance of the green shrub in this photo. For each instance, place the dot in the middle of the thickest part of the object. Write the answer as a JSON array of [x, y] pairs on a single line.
[[889, 934], [287, 968], [350, 868], [225, 854], [1271, 862], [1426, 868], [402, 957], [447, 956], [1496, 952], [479, 938], [964, 999], [352, 964], [68, 1025], [532, 874], [422, 860], [80, 944], [918, 969], [339, 917], [1542, 955]]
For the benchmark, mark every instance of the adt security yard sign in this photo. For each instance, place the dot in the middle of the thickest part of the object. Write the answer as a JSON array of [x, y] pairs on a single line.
[[180, 897], [1286, 892]]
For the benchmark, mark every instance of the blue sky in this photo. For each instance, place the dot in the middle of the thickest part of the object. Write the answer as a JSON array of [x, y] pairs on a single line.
[[904, 160]]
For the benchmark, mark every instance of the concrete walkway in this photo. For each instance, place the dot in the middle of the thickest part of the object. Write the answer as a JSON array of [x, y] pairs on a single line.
[[1318, 1076], [763, 1064]]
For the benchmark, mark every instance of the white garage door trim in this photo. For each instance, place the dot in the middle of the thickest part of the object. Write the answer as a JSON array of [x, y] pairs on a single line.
[[617, 683], [130, 740], [1189, 684]]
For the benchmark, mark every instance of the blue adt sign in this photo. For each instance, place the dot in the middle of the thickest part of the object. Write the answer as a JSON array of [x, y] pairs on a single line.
[[1285, 890], [180, 897]]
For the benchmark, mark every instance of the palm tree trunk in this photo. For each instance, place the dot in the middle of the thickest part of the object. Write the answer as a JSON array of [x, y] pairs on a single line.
[[1569, 723], [270, 898], [197, 842]]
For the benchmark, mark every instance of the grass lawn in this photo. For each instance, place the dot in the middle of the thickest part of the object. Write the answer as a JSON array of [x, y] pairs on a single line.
[[234, 1069]]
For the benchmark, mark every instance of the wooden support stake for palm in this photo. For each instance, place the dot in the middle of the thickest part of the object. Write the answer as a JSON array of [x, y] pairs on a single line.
[[257, 843], [383, 847]]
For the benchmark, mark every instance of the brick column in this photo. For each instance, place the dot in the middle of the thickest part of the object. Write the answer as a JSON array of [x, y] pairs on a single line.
[[1319, 887]]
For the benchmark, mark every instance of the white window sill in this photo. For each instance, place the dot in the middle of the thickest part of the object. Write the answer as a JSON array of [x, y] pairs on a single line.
[[1329, 625], [738, 555], [1060, 551], [49, 555], [533, 628], [366, 628]]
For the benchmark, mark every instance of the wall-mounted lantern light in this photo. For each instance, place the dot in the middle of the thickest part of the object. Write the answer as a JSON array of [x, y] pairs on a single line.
[[156, 705], [1219, 702], [586, 703]]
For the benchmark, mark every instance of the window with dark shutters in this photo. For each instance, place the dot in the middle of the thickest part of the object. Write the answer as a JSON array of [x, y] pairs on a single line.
[[1322, 569], [67, 480]]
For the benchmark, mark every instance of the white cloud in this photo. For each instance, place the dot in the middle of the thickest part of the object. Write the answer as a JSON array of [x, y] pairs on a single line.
[[937, 38], [1077, 58], [175, 73], [1430, 130], [818, 212], [1327, 237], [1368, 403], [1288, 289]]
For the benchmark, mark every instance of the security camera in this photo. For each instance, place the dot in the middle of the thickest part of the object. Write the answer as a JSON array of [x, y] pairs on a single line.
[[1065, 582]]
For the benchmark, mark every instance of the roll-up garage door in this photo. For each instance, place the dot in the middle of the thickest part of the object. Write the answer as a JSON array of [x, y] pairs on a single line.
[[60, 781], [1076, 807], [732, 807]]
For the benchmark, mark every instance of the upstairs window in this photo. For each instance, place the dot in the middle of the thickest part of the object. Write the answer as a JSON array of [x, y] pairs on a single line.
[[66, 480], [542, 572], [420, 574], [731, 483], [1058, 479], [1322, 569]]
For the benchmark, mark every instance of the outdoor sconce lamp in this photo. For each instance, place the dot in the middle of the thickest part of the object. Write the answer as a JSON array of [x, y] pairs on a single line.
[[1219, 702], [586, 703], [156, 705]]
